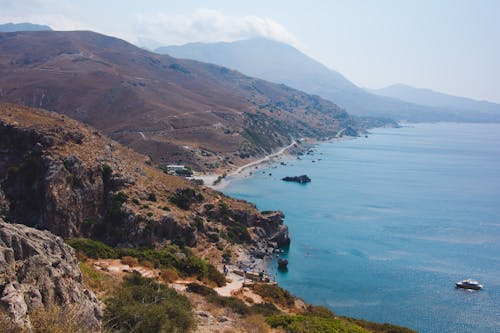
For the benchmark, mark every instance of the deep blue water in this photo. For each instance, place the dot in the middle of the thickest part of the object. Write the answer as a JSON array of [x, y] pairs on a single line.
[[390, 222]]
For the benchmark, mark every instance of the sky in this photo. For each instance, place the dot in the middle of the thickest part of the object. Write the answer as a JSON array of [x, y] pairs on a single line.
[[451, 46]]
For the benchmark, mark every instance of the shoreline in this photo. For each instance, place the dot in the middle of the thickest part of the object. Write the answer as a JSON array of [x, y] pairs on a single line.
[[246, 170], [243, 171]]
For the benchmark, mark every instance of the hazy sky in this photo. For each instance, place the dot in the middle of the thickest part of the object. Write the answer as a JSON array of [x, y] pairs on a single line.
[[451, 46]]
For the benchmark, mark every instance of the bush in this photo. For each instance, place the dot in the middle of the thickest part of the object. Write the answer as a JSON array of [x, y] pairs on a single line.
[[213, 237], [238, 234], [93, 249], [214, 275], [107, 172], [96, 280], [199, 223], [169, 275], [56, 319], [265, 309], [131, 261], [185, 198], [151, 196], [319, 311], [379, 328], [200, 289], [142, 305], [311, 324], [274, 293]]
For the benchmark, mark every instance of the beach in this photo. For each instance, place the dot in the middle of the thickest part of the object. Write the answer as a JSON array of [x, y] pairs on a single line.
[[244, 170]]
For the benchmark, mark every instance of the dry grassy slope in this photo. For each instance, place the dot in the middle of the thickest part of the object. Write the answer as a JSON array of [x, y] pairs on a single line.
[[155, 103], [66, 206]]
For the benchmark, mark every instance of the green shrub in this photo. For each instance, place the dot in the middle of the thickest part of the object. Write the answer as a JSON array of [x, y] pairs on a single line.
[[227, 255], [93, 249], [214, 275], [223, 208], [199, 223], [379, 328], [311, 324], [142, 305], [213, 237], [107, 172], [184, 198], [151, 196], [200, 289], [238, 234], [265, 309], [319, 311], [209, 206], [274, 293], [136, 201]]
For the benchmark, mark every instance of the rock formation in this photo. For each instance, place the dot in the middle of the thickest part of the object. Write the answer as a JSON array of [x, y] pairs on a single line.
[[38, 270], [298, 179]]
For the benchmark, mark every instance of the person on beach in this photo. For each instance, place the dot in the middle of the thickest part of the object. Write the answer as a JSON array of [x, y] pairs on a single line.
[[261, 276], [225, 270]]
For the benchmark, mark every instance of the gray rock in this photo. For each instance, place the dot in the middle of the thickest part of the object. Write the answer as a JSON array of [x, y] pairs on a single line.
[[37, 269]]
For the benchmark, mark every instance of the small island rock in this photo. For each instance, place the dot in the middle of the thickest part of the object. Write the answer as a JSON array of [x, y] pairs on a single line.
[[298, 179]]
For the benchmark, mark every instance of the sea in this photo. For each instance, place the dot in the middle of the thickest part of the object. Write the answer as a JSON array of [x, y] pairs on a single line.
[[390, 222]]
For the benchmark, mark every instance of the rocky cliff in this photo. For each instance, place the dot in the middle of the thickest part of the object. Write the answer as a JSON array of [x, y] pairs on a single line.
[[63, 176], [38, 270]]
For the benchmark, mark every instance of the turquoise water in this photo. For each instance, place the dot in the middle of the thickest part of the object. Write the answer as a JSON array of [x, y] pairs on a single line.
[[390, 222]]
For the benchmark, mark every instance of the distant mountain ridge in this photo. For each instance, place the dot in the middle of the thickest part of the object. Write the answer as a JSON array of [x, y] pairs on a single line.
[[12, 27], [436, 99], [282, 63]]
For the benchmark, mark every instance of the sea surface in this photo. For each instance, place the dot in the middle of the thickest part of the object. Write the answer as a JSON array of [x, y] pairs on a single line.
[[390, 222]]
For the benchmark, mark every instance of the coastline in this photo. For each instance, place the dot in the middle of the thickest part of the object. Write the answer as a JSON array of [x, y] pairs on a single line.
[[244, 170], [223, 179]]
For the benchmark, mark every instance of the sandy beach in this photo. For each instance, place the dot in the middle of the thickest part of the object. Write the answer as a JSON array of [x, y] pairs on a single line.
[[247, 169], [244, 170]]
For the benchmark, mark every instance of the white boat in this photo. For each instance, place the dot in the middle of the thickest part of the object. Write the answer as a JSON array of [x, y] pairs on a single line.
[[469, 284]]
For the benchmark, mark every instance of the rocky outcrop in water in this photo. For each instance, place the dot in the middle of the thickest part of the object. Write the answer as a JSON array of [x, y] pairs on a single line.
[[38, 270], [298, 179]]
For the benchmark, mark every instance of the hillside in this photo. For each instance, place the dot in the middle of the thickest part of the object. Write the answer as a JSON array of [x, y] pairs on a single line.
[[177, 111], [281, 63], [465, 107], [65, 177]]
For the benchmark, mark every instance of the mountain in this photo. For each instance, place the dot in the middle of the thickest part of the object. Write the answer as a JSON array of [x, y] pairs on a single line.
[[12, 27], [177, 111], [282, 63], [439, 100]]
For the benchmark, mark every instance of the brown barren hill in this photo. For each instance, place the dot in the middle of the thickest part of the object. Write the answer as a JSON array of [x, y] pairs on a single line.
[[177, 111], [61, 175]]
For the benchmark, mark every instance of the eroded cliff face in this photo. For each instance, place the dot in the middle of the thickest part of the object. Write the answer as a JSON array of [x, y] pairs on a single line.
[[60, 175], [38, 270]]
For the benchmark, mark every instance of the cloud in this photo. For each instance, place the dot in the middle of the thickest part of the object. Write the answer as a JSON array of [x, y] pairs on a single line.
[[53, 13], [207, 25]]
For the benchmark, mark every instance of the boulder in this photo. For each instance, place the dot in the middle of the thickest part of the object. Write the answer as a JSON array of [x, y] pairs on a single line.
[[38, 270]]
